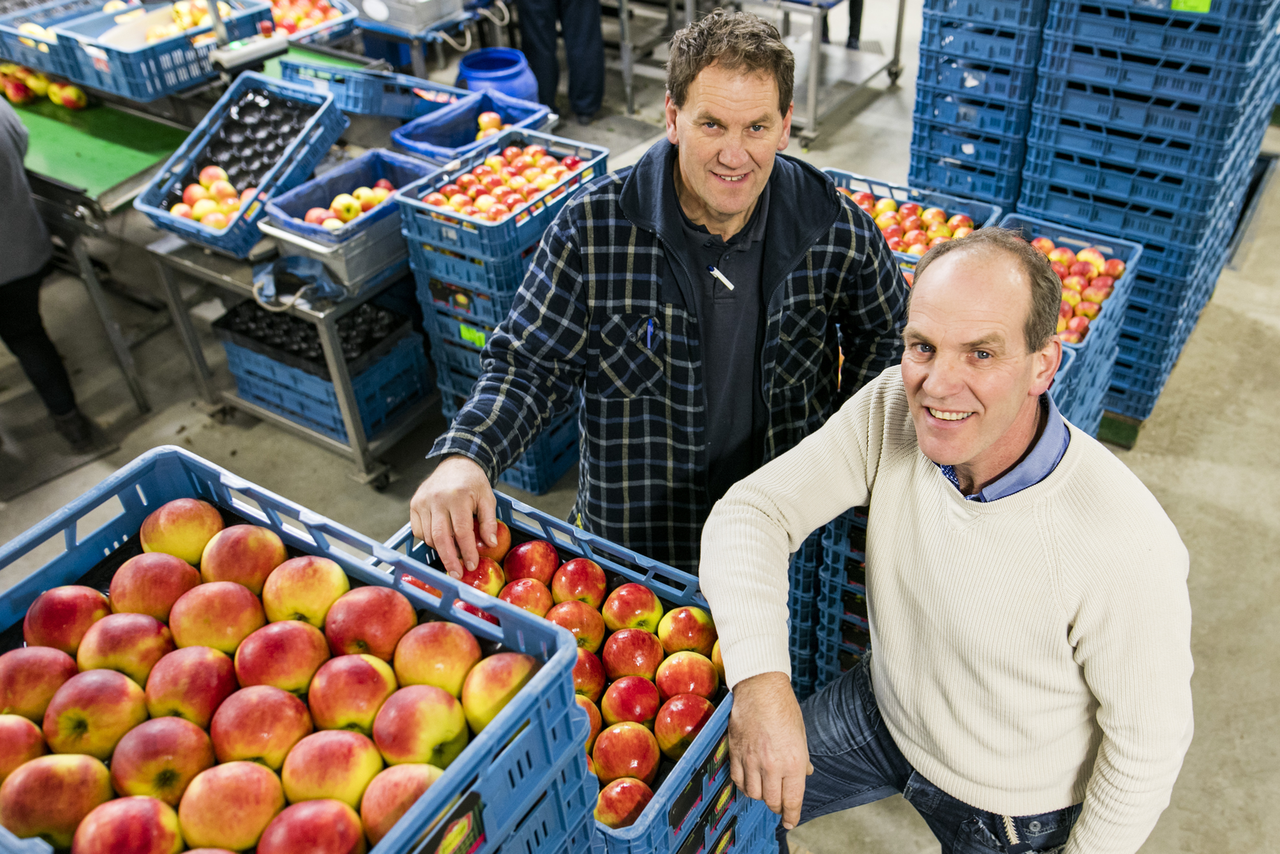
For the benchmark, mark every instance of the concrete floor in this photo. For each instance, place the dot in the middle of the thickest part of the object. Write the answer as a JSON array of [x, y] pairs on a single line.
[[1208, 453]]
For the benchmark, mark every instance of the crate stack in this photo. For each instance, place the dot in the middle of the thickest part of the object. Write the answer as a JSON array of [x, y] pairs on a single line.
[[974, 91], [844, 633], [467, 274], [1146, 126]]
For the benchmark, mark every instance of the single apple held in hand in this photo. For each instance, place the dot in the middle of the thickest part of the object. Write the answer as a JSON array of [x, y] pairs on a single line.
[[390, 796], [621, 802], [303, 588], [229, 806], [50, 795], [92, 711], [486, 577], [259, 724], [190, 683], [159, 758], [438, 653], [30, 676], [498, 551], [60, 617]]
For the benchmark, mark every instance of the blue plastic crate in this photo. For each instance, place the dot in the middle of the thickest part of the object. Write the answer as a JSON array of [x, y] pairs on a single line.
[[987, 150], [294, 166], [802, 602], [384, 390], [508, 765], [457, 328], [445, 229], [47, 52], [330, 31], [997, 186], [849, 532], [497, 278], [976, 78], [1079, 393], [569, 799], [489, 308], [754, 832], [450, 133], [690, 787], [287, 209], [1152, 73], [373, 93], [1185, 35], [151, 71], [1005, 13], [1157, 291], [1008, 45], [1237, 11], [1130, 402], [975, 114]]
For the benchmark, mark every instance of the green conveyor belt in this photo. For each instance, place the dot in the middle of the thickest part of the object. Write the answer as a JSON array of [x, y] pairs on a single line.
[[93, 149]]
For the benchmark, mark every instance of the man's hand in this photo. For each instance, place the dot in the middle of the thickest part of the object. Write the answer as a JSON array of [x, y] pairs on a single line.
[[444, 510], [768, 752]]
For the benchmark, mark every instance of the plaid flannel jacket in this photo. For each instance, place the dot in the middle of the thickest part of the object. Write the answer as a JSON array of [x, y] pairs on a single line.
[[580, 326]]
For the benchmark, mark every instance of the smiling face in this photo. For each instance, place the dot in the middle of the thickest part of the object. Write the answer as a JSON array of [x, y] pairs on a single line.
[[972, 385], [728, 132]]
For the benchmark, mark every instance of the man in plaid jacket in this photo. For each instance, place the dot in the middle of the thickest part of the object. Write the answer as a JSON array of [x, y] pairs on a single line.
[[697, 304]]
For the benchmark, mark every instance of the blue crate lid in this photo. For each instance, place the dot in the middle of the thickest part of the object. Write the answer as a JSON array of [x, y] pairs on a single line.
[[373, 93]]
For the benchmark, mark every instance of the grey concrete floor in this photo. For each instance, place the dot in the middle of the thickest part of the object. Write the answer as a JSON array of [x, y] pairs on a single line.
[[1208, 453]]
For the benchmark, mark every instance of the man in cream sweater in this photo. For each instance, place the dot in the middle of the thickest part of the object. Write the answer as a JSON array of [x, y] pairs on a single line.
[[1030, 683]]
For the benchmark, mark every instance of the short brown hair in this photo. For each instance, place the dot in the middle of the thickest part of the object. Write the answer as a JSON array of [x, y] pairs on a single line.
[[1046, 288], [738, 41]]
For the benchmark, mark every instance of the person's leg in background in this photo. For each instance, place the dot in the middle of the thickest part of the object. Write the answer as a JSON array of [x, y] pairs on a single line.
[[584, 45], [855, 26], [538, 42], [24, 334]]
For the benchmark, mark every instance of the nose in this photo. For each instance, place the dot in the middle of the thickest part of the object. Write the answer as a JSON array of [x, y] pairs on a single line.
[[943, 377], [733, 155]]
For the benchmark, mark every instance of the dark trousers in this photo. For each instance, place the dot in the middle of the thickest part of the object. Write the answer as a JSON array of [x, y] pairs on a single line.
[[855, 25], [23, 333], [583, 44]]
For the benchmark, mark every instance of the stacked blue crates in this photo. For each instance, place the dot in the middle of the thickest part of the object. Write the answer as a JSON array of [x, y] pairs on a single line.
[[467, 273], [973, 96], [844, 633], [1147, 121]]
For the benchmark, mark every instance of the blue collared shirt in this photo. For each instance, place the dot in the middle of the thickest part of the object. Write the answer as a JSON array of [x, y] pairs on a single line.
[[1035, 467]]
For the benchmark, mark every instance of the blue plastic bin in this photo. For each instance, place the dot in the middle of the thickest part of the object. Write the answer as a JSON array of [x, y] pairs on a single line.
[[1009, 45], [1004, 13], [975, 114], [330, 31], [373, 93], [449, 133], [518, 757], [971, 78], [988, 150], [45, 53], [294, 166], [962, 178]]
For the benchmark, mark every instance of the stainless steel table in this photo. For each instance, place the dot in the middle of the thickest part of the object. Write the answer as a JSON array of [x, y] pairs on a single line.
[[631, 47], [173, 254]]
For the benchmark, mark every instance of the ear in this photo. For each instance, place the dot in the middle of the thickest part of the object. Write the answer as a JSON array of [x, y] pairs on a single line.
[[785, 139], [1046, 363], [672, 112]]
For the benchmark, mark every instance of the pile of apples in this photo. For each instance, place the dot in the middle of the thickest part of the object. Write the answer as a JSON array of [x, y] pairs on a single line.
[[187, 15], [292, 16], [214, 201], [909, 227], [23, 85], [646, 679], [348, 206], [253, 701], [504, 183], [1088, 279], [489, 123]]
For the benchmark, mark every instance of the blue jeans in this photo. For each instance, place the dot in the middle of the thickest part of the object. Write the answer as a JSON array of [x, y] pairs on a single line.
[[855, 762]]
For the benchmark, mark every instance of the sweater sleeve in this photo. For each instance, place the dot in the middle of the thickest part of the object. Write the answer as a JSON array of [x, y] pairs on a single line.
[[752, 531], [1132, 637]]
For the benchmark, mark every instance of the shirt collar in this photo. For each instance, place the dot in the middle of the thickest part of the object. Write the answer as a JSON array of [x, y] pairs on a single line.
[[1035, 467]]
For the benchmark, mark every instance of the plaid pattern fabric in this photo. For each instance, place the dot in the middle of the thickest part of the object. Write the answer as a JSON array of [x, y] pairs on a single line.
[[581, 327]]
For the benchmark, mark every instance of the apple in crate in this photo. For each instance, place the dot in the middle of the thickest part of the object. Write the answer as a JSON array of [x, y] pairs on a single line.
[[687, 628], [626, 749], [436, 200], [492, 684], [139, 825], [1083, 269], [369, 619], [487, 576], [420, 723], [50, 795], [92, 711], [533, 559], [303, 588], [219, 614], [348, 691], [346, 206], [317, 216], [631, 698], [182, 210], [594, 720], [30, 676], [530, 594], [215, 220], [190, 195], [580, 579], [621, 802], [384, 184], [632, 652], [438, 653], [632, 606], [20, 742], [687, 673], [588, 676], [334, 763], [129, 643], [390, 796], [1044, 244], [222, 190], [718, 660], [365, 196], [60, 616], [204, 208], [260, 724], [150, 584], [245, 554], [159, 758], [210, 175], [583, 621], [191, 684], [1114, 268], [316, 827], [228, 806], [679, 721], [285, 654], [497, 551]]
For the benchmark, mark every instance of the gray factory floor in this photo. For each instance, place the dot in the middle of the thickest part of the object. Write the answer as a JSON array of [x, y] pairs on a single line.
[[1208, 452]]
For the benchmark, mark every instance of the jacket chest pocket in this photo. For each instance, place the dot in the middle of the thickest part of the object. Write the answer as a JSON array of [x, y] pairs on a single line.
[[631, 356], [802, 344]]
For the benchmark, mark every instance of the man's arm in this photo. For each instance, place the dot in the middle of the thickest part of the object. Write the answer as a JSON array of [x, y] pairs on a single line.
[[530, 370], [871, 326]]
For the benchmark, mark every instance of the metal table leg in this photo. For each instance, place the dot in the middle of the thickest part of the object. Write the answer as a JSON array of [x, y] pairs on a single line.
[[368, 469], [187, 332], [118, 344], [624, 37], [816, 19], [417, 58]]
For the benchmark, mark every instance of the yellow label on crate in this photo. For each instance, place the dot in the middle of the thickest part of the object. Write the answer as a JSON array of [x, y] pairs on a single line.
[[1200, 6], [471, 335]]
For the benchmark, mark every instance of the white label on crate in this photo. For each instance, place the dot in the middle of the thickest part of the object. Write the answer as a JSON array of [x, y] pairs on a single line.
[[320, 85], [450, 233], [969, 148], [377, 10]]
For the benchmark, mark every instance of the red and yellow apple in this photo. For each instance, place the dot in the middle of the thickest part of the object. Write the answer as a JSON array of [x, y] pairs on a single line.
[[230, 805], [50, 795], [621, 802], [303, 588], [60, 616], [217, 614], [285, 654], [580, 579], [390, 796], [369, 620], [438, 653], [159, 758], [687, 628], [30, 676], [129, 643], [632, 606], [139, 825], [245, 554], [533, 559], [181, 527], [190, 683], [259, 724], [420, 723], [348, 691], [687, 673], [322, 826], [529, 594], [583, 621], [20, 742], [492, 683], [631, 698], [150, 583], [92, 711], [679, 721], [334, 763], [626, 749]]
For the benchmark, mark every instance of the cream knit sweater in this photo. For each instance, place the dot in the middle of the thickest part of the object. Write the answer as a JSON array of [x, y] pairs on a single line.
[[1030, 653]]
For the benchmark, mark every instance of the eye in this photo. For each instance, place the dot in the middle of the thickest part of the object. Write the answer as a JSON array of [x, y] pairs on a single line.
[[922, 348], [757, 128], [981, 354], [709, 125]]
